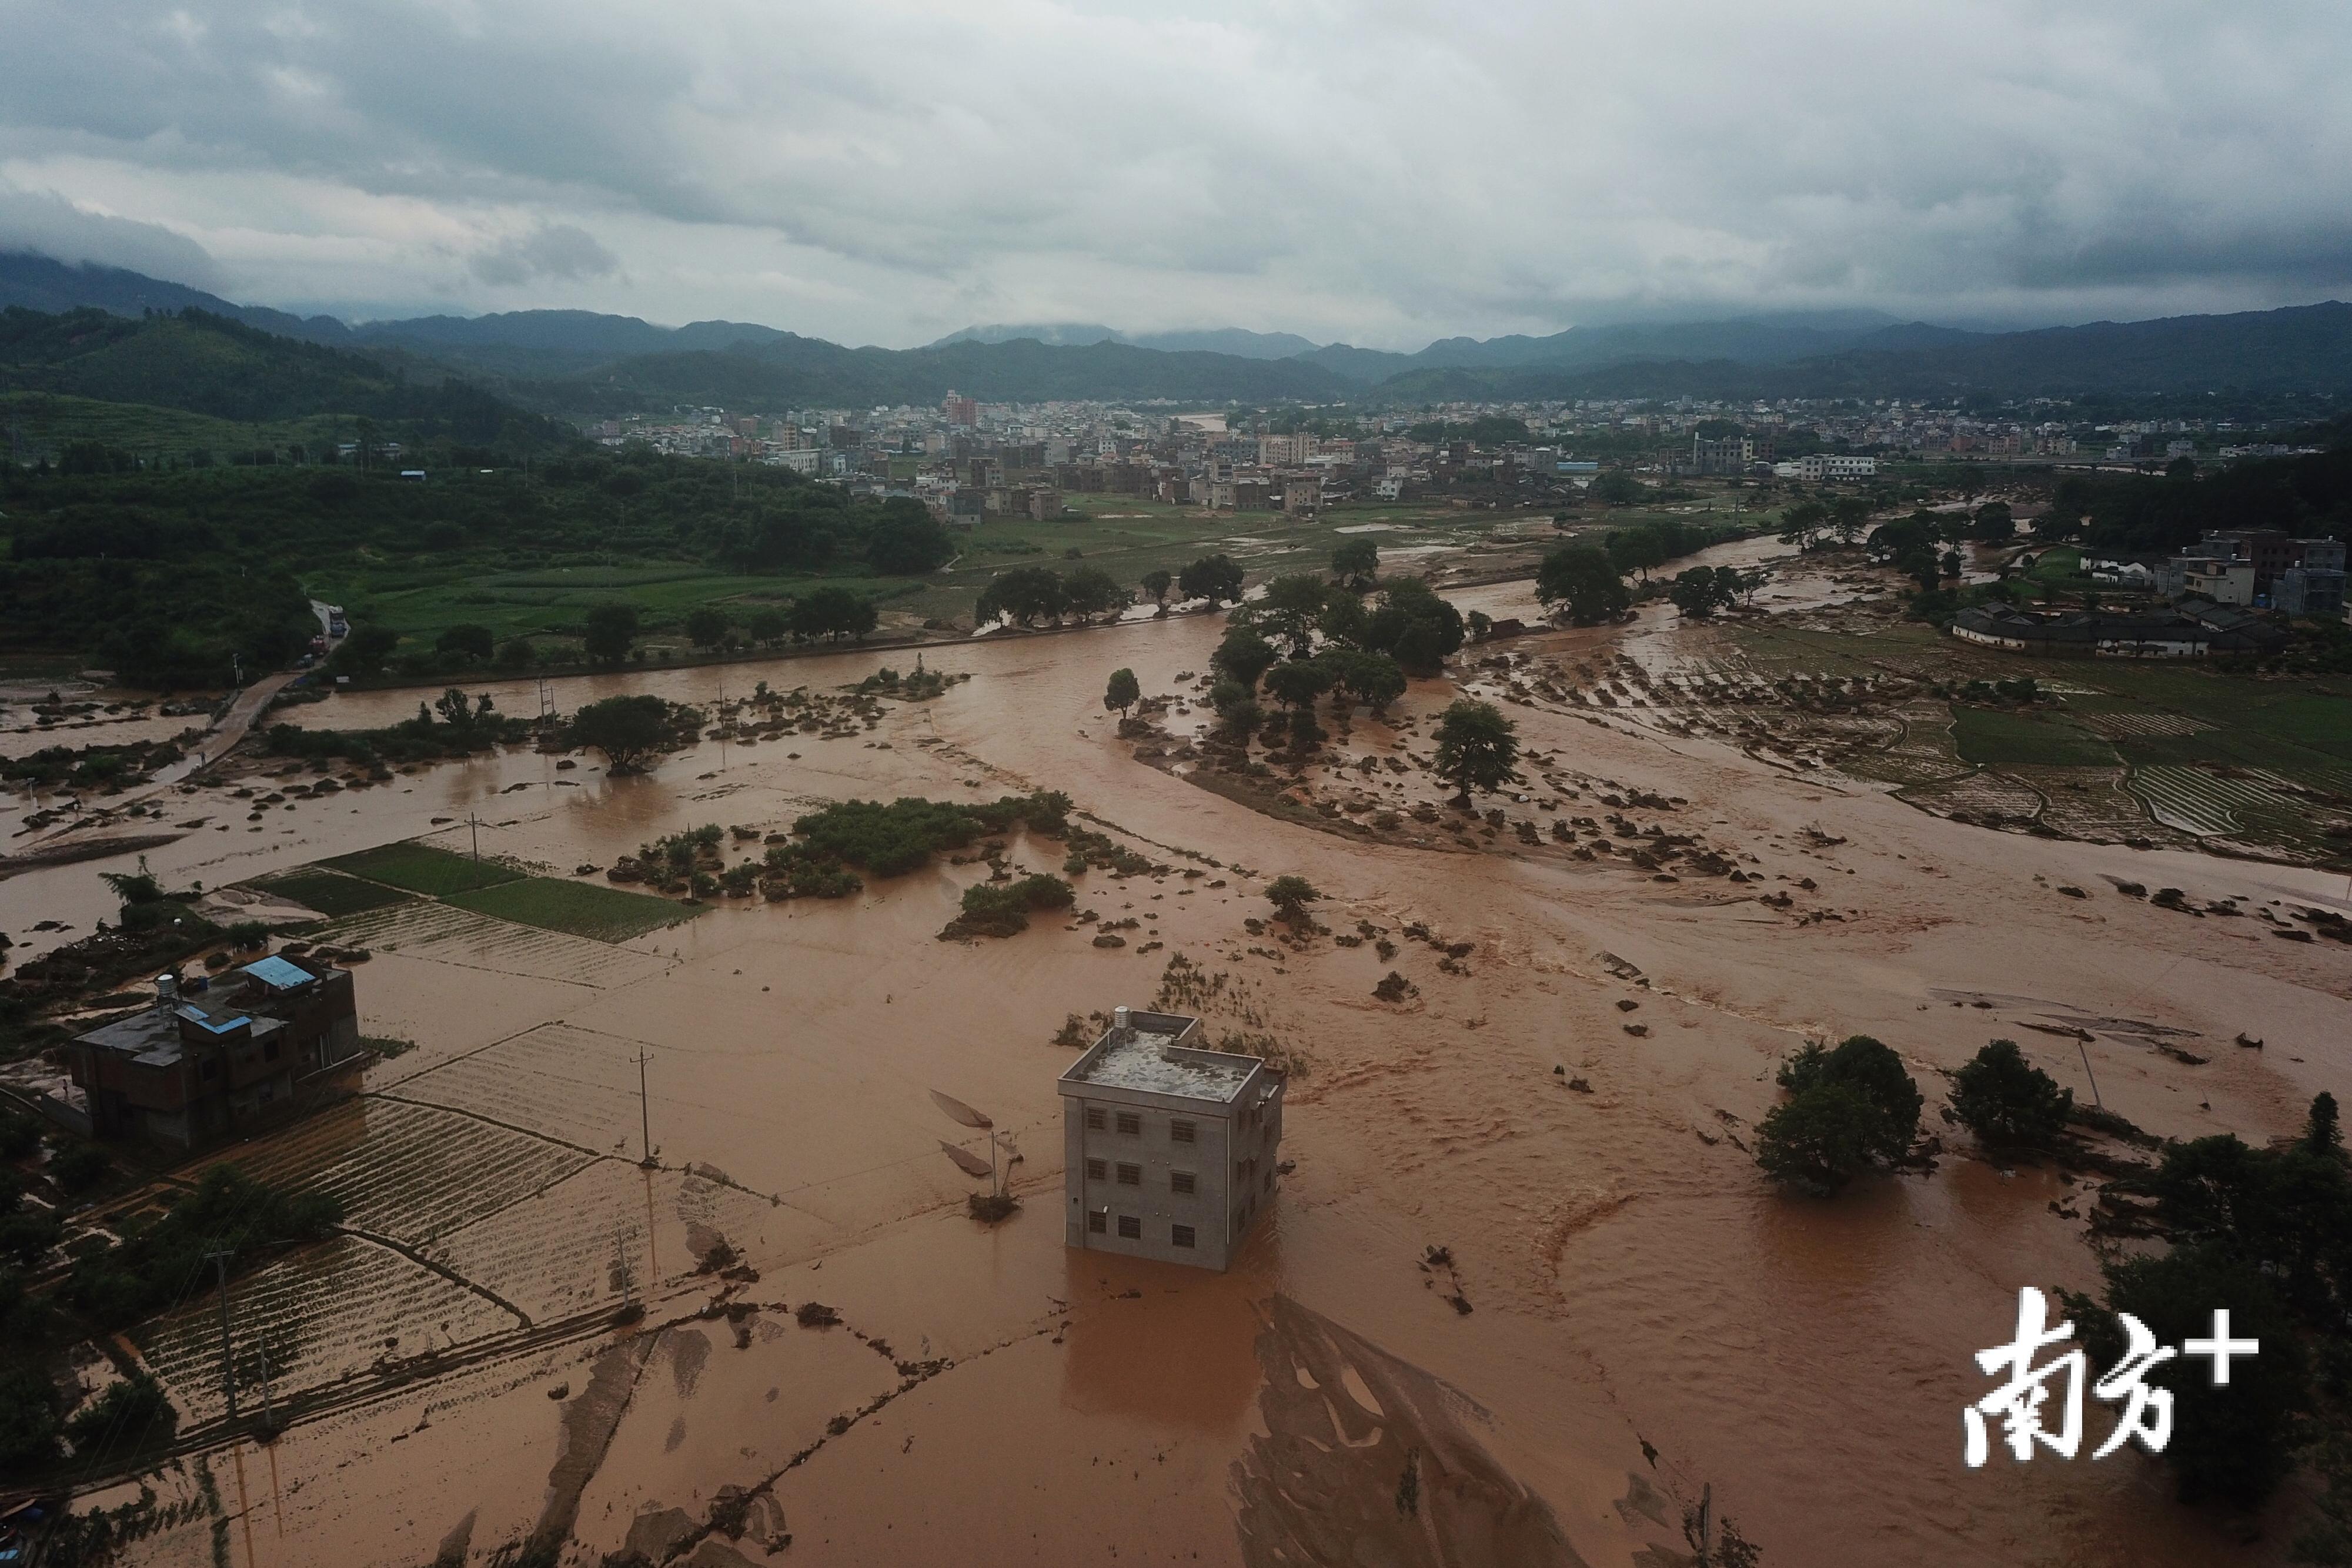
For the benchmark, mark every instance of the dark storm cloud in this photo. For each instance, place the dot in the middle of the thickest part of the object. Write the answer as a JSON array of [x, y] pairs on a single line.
[[1381, 171], [46, 223], [557, 250]]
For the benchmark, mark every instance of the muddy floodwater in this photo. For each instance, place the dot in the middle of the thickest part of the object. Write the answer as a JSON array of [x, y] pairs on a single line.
[[1644, 1317]]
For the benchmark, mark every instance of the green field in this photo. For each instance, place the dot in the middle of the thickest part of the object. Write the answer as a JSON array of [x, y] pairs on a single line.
[[420, 868], [2222, 753], [579, 908], [1997, 738], [328, 893], [1124, 536]]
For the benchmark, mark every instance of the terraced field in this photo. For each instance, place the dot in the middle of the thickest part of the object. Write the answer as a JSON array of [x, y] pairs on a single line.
[[322, 1315], [574, 1084], [448, 934], [2087, 802], [555, 1254], [412, 1172], [2255, 807], [1980, 795], [2113, 750]]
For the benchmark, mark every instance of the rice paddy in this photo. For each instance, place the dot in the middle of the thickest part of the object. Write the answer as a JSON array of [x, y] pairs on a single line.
[[422, 868], [330, 893], [577, 908]]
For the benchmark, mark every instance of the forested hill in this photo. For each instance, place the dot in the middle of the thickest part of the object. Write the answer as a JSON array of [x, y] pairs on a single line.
[[573, 364], [793, 371], [2298, 348], [207, 364]]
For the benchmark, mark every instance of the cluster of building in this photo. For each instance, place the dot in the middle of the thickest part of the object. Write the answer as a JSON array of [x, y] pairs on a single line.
[[2192, 627], [970, 460], [2203, 602], [2264, 569]]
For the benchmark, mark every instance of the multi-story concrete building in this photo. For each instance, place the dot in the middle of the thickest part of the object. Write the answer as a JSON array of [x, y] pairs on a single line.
[[190, 1071], [1168, 1150]]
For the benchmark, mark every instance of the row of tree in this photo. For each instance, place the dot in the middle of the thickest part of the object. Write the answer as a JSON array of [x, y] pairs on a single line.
[[1028, 594]]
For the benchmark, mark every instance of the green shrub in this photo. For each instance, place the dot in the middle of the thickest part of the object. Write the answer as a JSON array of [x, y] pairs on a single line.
[[27, 1236], [19, 1134], [1863, 1064], [144, 1273], [81, 1167], [29, 1418], [1290, 896], [129, 1415], [1821, 1138], [892, 840], [2233, 1441], [1001, 909], [2006, 1101]]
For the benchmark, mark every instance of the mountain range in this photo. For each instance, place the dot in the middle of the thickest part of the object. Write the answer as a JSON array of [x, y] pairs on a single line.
[[577, 363]]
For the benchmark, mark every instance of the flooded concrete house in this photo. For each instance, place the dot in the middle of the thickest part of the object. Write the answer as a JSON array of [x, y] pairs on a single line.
[[1168, 1150], [195, 1070]]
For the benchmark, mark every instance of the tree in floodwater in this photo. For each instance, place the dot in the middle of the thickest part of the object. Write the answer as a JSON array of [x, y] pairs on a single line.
[[1477, 747], [626, 730]]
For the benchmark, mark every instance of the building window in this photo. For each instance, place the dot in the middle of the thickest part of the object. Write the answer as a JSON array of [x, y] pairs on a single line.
[[269, 1051], [1180, 1236], [1179, 1132], [1130, 1124], [1180, 1181], [1131, 1175], [1094, 1118], [1096, 1170], [1130, 1228], [210, 1070], [1096, 1220]]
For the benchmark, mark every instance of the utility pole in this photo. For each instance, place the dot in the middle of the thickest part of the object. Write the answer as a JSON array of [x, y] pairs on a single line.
[[2085, 1051], [268, 1422], [474, 823], [645, 1110], [228, 1369]]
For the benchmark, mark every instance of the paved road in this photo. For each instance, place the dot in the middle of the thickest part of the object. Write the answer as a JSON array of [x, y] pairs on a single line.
[[229, 729]]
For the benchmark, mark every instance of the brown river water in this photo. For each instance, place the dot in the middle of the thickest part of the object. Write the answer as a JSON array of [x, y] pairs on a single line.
[[1648, 1318]]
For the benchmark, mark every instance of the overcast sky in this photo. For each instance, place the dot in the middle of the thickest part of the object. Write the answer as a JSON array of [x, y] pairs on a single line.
[[1370, 171]]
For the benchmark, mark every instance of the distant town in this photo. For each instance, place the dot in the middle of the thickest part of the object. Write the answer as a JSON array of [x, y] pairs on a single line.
[[967, 461]]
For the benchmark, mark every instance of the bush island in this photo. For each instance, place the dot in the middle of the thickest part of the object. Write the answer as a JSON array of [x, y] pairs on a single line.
[[1849, 1110], [892, 840], [1001, 909], [2006, 1101]]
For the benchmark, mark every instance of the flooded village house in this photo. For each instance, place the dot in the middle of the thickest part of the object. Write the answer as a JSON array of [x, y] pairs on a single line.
[[192, 1070], [1168, 1150]]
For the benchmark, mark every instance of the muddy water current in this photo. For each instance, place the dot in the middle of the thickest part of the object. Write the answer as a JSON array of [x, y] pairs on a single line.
[[1643, 1318]]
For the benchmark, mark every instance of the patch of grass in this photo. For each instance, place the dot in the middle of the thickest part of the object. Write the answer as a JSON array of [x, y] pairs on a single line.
[[422, 868], [328, 893], [577, 908], [1997, 738]]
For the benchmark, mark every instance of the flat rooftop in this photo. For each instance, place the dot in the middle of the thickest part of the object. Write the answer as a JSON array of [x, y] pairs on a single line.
[[1145, 1057], [151, 1037]]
